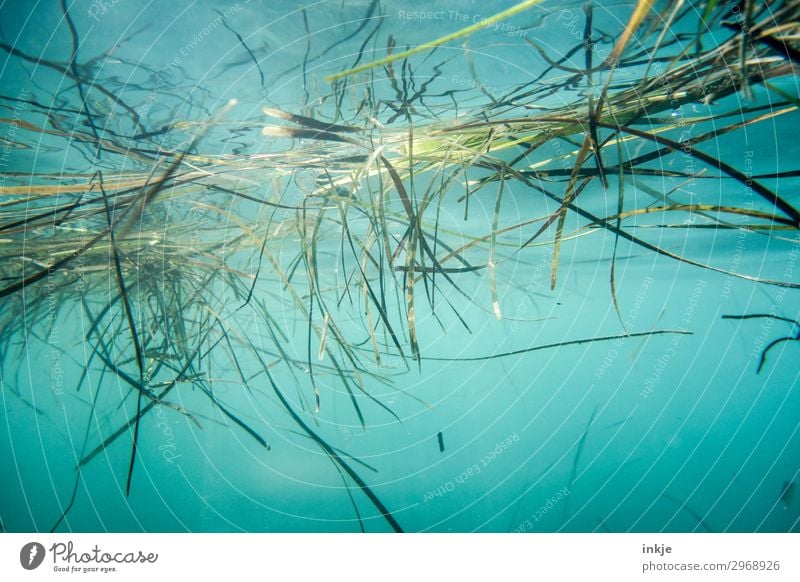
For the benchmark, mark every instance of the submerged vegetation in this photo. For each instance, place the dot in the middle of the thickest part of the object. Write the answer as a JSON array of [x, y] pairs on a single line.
[[291, 251]]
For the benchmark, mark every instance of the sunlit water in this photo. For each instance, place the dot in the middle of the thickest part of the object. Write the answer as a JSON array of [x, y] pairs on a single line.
[[672, 432]]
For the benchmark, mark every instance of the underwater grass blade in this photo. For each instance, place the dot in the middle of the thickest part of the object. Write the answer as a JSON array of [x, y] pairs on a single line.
[[327, 448], [435, 43], [641, 10], [682, 504], [550, 346], [620, 203], [578, 453], [317, 239], [491, 262], [759, 188], [569, 196]]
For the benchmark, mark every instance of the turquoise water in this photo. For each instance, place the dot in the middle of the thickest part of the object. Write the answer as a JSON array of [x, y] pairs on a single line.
[[662, 420]]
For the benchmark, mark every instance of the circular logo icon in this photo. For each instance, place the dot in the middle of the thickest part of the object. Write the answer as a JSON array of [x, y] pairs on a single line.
[[31, 555]]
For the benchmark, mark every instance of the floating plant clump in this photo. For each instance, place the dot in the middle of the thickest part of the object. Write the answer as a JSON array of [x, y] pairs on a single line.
[[340, 269]]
